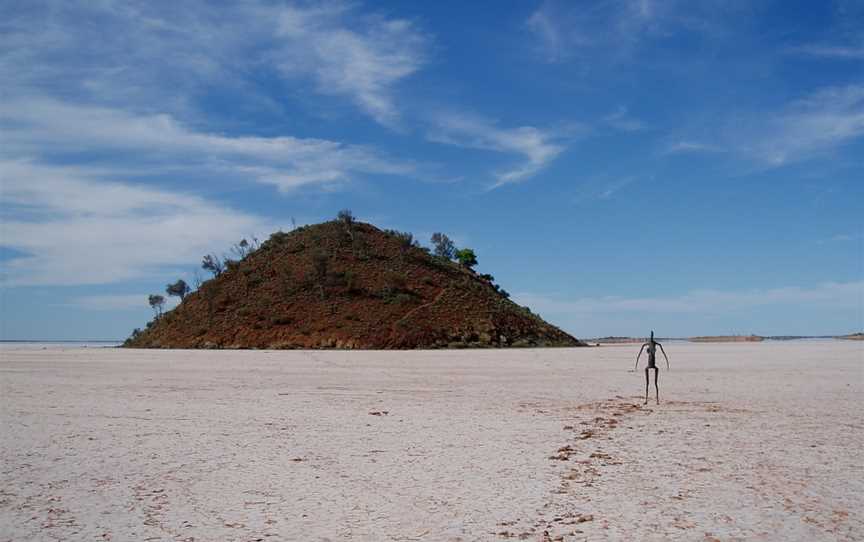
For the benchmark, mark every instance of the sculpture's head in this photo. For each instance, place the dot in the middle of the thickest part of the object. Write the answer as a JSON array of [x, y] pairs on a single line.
[[652, 334]]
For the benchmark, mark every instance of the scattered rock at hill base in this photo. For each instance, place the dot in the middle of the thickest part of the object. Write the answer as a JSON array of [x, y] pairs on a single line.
[[347, 286]]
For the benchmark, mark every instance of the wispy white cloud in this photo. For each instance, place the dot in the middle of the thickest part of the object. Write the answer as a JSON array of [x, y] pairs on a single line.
[[362, 64], [51, 128], [841, 295], [77, 229], [553, 41], [611, 188], [681, 147], [537, 147], [169, 52], [820, 122], [847, 52], [840, 238], [623, 121], [802, 129], [615, 29], [604, 187]]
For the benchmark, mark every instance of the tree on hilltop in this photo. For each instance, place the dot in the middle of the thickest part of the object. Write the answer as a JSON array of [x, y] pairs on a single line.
[[466, 257], [346, 217], [442, 246]]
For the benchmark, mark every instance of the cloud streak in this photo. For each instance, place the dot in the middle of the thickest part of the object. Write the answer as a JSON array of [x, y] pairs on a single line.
[[838, 295], [168, 53], [622, 121], [76, 229], [614, 30], [843, 52], [684, 147], [818, 123], [822, 121], [363, 65], [52, 129], [537, 147]]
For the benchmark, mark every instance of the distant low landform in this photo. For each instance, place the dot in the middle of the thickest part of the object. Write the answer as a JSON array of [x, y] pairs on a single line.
[[344, 284], [727, 339], [724, 338]]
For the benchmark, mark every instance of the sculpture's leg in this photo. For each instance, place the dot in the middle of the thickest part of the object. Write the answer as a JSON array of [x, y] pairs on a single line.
[[646, 386], [656, 387]]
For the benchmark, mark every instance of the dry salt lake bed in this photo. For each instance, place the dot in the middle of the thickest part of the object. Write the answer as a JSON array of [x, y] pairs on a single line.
[[750, 441]]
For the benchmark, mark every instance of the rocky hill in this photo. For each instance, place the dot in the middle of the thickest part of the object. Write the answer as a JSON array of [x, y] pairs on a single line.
[[347, 285]]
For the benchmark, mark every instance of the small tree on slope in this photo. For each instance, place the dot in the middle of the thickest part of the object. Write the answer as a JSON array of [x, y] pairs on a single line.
[[157, 303], [179, 288], [466, 257], [442, 246]]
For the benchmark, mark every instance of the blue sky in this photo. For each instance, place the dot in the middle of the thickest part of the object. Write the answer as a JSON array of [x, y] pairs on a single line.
[[688, 167]]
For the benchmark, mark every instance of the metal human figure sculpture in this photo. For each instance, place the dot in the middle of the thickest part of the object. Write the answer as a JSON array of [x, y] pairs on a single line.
[[652, 352]]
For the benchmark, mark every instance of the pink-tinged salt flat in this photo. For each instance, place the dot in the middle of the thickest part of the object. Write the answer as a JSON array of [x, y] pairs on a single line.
[[751, 441]]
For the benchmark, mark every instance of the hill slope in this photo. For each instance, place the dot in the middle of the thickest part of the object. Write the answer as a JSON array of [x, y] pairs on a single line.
[[334, 285]]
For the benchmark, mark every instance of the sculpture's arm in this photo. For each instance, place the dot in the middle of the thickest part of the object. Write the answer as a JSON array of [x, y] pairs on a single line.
[[638, 355], [664, 355]]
